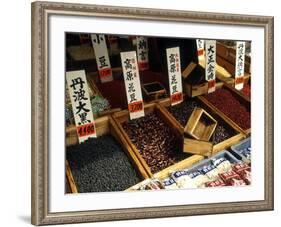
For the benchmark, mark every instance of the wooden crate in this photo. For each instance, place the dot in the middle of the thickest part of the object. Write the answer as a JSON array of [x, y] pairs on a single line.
[[193, 90], [227, 54], [242, 98], [123, 116], [199, 147], [161, 175], [200, 125], [150, 94], [105, 125]]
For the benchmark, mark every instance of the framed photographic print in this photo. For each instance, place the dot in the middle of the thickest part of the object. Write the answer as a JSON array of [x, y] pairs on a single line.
[[145, 113]]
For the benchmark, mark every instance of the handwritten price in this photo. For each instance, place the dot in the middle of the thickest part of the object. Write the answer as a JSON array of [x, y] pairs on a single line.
[[143, 65], [135, 107], [239, 80], [177, 97], [85, 130], [105, 72]]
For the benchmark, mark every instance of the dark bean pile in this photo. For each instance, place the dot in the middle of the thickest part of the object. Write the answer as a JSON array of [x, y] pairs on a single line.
[[156, 142], [231, 107], [100, 165], [222, 132], [183, 111]]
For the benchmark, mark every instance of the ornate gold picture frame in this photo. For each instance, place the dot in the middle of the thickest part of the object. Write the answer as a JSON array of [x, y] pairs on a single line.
[[41, 12]]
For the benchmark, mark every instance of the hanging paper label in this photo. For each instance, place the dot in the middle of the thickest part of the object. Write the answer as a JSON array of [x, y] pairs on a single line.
[[239, 65], [102, 58], [142, 53], [81, 105], [210, 65], [200, 49], [174, 71], [132, 84]]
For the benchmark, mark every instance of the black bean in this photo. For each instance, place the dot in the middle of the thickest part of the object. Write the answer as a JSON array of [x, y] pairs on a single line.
[[100, 165]]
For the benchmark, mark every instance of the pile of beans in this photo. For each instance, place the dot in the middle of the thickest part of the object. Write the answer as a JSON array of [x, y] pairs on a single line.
[[224, 100], [246, 90], [183, 111], [155, 141], [100, 165]]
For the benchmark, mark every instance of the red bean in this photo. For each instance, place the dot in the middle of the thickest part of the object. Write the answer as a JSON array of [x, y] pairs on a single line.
[[227, 103]]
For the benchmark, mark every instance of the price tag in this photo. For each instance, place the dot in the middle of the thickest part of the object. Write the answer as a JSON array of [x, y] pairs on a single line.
[[210, 64], [102, 59], [239, 65], [81, 105], [200, 50], [174, 71], [142, 53], [132, 84]]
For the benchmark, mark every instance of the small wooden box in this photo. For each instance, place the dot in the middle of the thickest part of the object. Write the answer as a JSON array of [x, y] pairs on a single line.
[[201, 125], [153, 91], [200, 87], [104, 125], [199, 147]]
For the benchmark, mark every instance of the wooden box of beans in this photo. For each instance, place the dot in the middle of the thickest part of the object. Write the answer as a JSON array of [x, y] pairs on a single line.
[[154, 138], [232, 106], [194, 82], [104, 163], [223, 137]]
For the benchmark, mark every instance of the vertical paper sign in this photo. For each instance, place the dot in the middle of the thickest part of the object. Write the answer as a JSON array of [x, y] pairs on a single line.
[[174, 71], [210, 67], [81, 106], [102, 58], [132, 84], [239, 65], [200, 50], [142, 53]]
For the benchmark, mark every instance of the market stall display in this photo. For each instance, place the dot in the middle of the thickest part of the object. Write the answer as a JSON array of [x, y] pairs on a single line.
[[174, 127]]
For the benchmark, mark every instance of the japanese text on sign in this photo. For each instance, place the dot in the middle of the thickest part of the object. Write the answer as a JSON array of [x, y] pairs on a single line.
[[81, 106], [200, 48], [142, 53], [132, 84], [210, 67], [102, 59], [174, 71], [239, 65]]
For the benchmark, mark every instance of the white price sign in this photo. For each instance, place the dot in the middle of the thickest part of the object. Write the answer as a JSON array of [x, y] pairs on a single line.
[[210, 64], [81, 105], [174, 71], [200, 49], [142, 53], [102, 59], [239, 65], [132, 84]]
